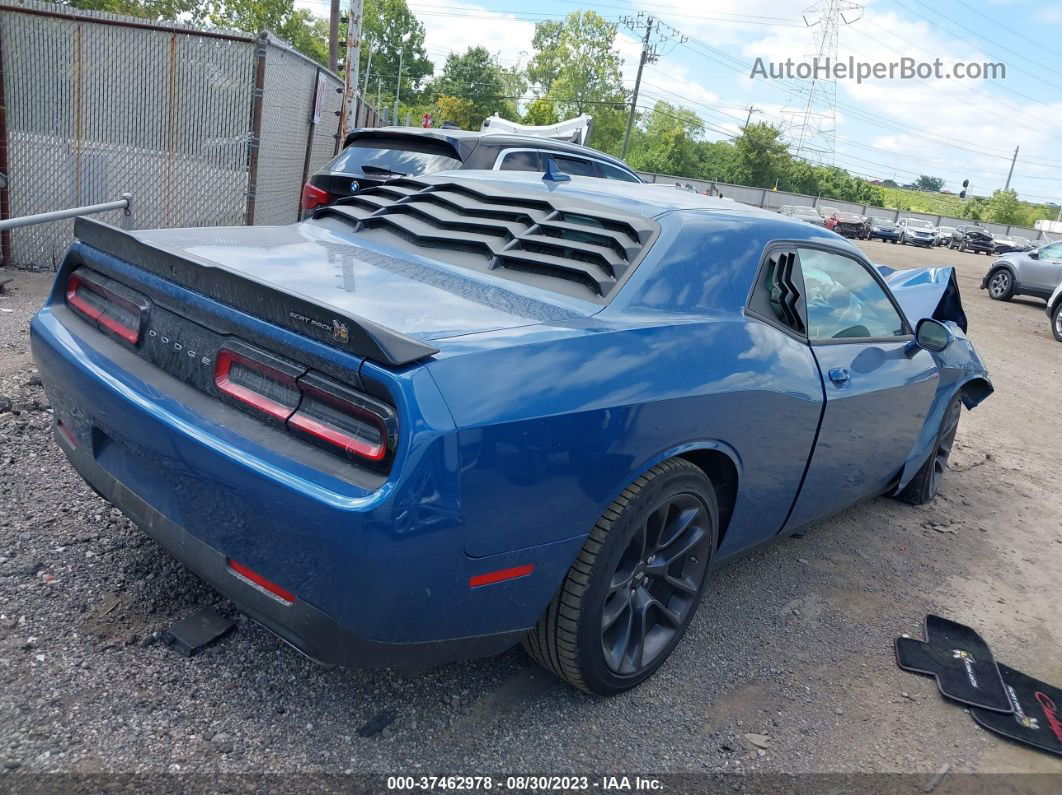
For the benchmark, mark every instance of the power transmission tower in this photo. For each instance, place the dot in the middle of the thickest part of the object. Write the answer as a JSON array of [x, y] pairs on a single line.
[[651, 40], [811, 111]]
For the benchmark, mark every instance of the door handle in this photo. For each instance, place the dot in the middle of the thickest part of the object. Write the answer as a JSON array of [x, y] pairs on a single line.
[[839, 375]]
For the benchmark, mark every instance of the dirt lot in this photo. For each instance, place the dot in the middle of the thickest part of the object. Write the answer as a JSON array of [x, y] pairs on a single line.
[[794, 642]]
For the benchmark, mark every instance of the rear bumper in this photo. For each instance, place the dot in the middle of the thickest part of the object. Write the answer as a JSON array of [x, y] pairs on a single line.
[[379, 571], [310, 630]]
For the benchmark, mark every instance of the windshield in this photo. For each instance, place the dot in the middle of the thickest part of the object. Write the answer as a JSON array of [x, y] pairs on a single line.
[[882, 222], [918, 223], [1004, 239], [392, 159], [804, 211], [947, 229]]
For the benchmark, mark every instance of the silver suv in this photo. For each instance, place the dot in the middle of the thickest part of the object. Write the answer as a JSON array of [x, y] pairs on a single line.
[[1036, 273]]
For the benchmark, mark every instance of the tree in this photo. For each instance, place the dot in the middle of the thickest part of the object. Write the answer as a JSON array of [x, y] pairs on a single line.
[[924, 182], [459, 110], [194, 11], [667, 141], [477, 78], [577, 67], [762, 155], [390, 30], [1004, 208], [541, 111]]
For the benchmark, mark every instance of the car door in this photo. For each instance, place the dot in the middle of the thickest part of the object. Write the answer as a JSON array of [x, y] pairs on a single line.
[[1042, 275], [878, 388]]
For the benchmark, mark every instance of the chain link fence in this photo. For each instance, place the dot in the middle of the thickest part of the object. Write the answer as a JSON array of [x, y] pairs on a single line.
[[95, 105]]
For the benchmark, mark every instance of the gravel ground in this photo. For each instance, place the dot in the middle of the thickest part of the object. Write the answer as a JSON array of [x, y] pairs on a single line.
[[794, 643]]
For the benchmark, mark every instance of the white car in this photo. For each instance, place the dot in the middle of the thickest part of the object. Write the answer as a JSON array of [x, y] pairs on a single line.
[[917, 232]]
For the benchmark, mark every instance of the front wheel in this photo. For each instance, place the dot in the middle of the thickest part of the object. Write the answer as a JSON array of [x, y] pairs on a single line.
[[1056, 321], [1001, 285], [925, 484], [634, 588]]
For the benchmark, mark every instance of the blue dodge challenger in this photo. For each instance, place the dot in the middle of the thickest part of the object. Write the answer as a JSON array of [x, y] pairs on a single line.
[[455, 413]]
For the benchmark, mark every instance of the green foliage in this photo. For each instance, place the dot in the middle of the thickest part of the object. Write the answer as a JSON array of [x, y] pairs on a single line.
[[541, 111], [478, 79], [762, 155], [393, 33], [577, 68], [926, 182], [459, 110], [667, 142], [194, 11], [1004, 208]]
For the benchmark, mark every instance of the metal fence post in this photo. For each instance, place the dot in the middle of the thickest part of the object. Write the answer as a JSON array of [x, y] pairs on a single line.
[[256, 124], [313, 122], [5, 197]]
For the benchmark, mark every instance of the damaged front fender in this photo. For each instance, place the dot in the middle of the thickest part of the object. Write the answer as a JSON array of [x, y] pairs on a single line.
[[926, 292]]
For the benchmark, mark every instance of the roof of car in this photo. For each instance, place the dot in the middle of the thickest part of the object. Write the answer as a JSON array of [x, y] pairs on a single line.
[[504, 139]]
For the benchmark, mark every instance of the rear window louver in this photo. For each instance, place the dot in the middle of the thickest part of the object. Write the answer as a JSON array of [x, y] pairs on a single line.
[[557, 242]]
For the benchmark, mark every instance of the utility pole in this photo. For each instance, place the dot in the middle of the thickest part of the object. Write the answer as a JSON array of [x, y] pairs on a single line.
[[748, 118], [368, 71], [350, 68], [1011, 172], [333, 36], [398, 84], [649, 55], [646, 55]]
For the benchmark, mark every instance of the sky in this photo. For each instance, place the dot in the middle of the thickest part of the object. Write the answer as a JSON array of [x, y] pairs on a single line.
[[884, 128]]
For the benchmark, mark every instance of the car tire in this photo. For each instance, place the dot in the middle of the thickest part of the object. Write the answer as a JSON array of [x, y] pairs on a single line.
[[1001, 285], [925, 484], [962, 247], [1056, 321], [593, 633]]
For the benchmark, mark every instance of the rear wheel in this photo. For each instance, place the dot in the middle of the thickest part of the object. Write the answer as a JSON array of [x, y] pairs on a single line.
[[1056, 321], [926, 483], [630, 595], [1001, 285]]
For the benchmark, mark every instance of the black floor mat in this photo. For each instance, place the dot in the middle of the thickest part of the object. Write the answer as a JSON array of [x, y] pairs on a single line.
[[960, 660], [1037, 717]]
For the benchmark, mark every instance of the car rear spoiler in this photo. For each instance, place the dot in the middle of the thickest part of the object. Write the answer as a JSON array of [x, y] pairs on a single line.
[[303, 315], [926, 292]]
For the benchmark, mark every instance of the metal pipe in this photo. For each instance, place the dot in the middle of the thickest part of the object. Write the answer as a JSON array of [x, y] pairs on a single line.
[[125, 203]]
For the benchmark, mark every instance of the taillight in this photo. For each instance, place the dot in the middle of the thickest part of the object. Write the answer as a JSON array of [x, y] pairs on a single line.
[[257, 379], [342, 420], [313, 197], [314, 408], [113, 307]]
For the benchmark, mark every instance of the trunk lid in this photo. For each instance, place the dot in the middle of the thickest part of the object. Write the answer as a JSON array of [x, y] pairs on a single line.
[[312, 279]]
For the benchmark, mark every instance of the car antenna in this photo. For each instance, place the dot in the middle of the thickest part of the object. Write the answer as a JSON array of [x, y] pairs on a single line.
[[553, 172]]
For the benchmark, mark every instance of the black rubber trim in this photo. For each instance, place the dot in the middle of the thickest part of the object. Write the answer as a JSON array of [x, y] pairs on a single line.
[[317, 320], [305, 627]]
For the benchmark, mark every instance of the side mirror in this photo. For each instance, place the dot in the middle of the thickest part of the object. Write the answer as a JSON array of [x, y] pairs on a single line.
[[932, 335], [1034, 255]]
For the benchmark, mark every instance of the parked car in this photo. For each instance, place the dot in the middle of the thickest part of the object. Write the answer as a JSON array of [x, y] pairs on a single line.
[[374, 156], [973, 237], [1034, 273], [504, 408], [847, 225], [917, 232], [944, 235], [1054, 312], [1006, 244], [1024, 243], [803, 212], [883, 229]]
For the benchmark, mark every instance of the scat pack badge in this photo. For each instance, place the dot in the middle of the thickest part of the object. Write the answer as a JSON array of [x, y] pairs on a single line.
[[340, 332]]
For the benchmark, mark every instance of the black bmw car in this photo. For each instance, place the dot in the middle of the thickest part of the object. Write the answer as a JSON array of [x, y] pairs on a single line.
[[376, 155]]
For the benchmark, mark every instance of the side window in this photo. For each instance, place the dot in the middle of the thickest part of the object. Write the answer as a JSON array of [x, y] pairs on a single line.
[[844, 301], [520, 161], [777, 297], [611, 172], [1054, 251], [575, 166]]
